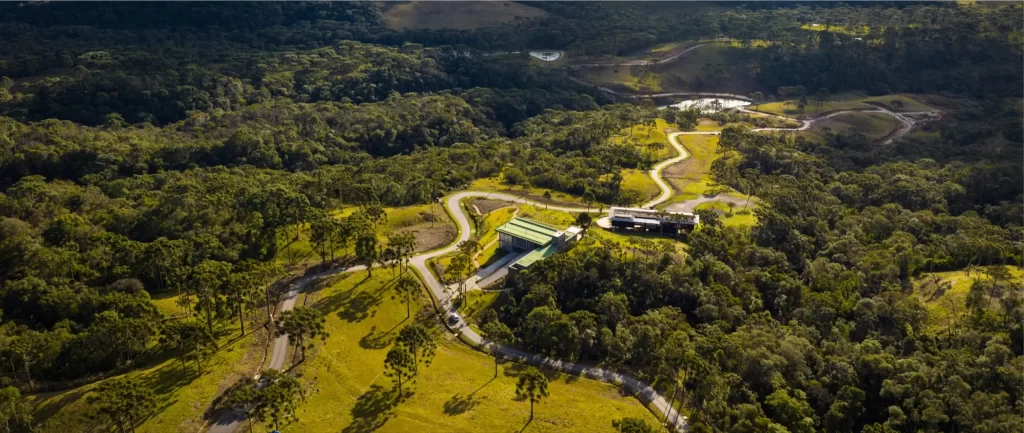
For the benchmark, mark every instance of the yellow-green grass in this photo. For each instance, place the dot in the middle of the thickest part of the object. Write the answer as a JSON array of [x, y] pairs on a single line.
[[872, 125], [488, 236], [182, 399], [639, 182], [642, 137], [498, 184], [692, 177], [616, 239], [731, 217], [167, 304], [840, 101], [457, 392], [457, 15], [946, 296], [298, 252]]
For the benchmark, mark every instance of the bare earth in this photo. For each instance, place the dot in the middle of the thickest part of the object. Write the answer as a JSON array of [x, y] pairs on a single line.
[[428, 238], [487, 206]]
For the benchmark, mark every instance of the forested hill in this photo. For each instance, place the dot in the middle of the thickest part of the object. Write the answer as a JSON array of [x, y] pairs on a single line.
[[170, 150]]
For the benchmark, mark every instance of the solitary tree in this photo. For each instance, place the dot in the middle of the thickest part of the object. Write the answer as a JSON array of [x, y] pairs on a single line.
[[757, 98], [589, 199], [419, 341], [410, 288], [301, 324], [499, 334], [400, 365], [584, 220], [123, 401], [532, 386]]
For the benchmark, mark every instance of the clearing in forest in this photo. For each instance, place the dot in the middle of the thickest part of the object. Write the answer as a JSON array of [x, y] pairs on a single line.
[[457, 15], [457, 392]]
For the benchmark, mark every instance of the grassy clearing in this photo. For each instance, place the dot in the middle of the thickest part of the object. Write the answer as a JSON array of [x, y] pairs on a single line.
[[639, 182], [488, 236], [456, 393], [457, 15], [182, 399], [642, 137], [497, 184], [841, 101], [692, 177], [714, 66], [872, 125], [731, 217], [852, 31], [433, 228], [944, 293]]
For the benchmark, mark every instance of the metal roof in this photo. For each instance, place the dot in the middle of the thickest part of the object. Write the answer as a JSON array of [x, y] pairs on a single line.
[[532, 231], [535, 255]]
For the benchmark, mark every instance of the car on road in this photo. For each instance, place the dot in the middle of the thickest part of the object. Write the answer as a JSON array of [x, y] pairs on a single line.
[[454, 318]]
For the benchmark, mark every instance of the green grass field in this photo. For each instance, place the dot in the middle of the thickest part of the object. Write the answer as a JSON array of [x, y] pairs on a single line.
[[731, 217], [430, 221], [716, 66], [182, 399], [943, 293], [840, 101], [456, 393], [457, 15], [872, 125]]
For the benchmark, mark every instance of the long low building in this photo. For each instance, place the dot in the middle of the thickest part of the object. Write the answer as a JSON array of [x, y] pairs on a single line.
[[541, 240], [636, 218]]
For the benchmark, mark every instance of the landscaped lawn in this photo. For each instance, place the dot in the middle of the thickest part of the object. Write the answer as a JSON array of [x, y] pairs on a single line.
[[456, 393]]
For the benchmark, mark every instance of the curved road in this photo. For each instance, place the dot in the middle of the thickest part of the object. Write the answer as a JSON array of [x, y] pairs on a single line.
[[230, 421]]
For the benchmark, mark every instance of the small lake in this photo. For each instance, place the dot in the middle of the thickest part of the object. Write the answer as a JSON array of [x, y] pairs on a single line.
[[708, 105]]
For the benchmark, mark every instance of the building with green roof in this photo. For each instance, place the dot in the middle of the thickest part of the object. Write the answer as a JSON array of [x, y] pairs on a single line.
[[534, 239]]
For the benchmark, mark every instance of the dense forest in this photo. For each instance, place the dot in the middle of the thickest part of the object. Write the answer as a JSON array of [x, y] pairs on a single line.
[[150, 149]]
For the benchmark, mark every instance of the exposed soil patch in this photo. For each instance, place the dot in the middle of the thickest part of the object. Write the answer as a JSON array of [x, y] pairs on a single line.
[[428, 238], [487, 206]]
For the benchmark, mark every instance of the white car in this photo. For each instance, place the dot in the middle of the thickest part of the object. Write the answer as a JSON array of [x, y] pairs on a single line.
[[454, 318]]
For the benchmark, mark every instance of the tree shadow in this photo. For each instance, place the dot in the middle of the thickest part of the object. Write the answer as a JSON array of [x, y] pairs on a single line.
[[372, 410], [528, 421], [377, 340], [459, 404]]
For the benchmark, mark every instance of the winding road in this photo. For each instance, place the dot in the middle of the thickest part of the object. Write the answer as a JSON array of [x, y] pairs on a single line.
[[230, 421]]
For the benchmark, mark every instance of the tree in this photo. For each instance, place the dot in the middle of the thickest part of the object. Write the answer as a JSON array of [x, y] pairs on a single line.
[[584, 220], [14, 411], [500, 335], [410, 288], [822, 97], [301, 324], [250, 399], [419, 341], [632, 425], [366, 250], [206, 279], [532, 386], [192, 340], [399, 364], [123, 401], [279, 394], [896, 105], [403, 245], [589, 199], [757, 98]]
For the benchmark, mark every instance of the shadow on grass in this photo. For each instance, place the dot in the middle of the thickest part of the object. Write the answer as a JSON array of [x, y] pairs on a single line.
[[377, 340], [373, 409], [459, 404], [525, 426], [515, 369]]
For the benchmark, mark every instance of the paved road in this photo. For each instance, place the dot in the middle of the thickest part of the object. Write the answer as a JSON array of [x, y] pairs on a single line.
[[229, 421]]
